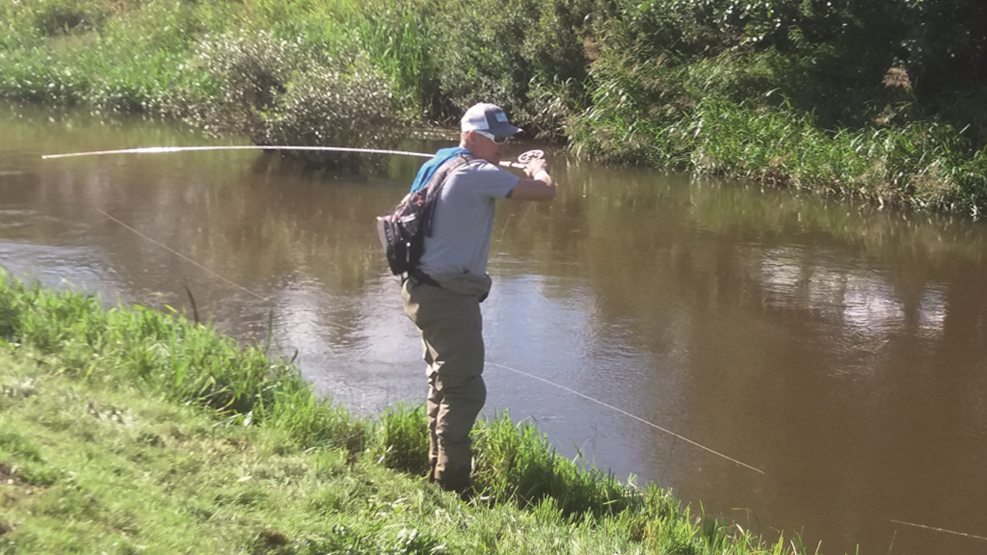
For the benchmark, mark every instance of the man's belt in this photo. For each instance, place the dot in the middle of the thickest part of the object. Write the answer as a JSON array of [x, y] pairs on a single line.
[[422, 277]]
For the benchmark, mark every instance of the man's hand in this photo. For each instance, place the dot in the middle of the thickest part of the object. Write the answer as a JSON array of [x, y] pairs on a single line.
[[538, 186], [538, 169]]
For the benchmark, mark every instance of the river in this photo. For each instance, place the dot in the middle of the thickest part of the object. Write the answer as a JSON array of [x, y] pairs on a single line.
[[790, 363]]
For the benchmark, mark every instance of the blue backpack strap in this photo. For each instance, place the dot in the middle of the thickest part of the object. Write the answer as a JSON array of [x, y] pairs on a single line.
[[428, 169]]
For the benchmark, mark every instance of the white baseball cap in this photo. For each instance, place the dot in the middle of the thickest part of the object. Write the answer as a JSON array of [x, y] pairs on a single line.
[[490, 118]]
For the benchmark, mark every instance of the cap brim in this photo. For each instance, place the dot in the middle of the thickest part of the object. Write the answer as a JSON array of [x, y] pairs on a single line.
[[503, 130]]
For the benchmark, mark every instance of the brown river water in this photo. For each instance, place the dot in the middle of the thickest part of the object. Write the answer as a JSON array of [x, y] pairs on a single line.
[[792, 364]]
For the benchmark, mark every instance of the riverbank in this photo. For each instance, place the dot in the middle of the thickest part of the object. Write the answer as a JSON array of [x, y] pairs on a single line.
[[882, 102], [132, 431]]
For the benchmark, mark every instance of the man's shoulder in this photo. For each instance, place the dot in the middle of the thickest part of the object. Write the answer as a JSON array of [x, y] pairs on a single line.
[[482, 175], [478, 164], [482, 168]]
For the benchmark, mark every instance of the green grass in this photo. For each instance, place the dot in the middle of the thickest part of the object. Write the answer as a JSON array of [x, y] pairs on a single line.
[[124, 472], [133, 431]]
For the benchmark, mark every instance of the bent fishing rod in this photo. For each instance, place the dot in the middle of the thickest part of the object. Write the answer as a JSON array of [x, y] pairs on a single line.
[[521, 162]]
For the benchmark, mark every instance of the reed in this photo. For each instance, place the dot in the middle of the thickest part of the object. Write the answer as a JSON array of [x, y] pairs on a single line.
[[396, 39], [925, 165]]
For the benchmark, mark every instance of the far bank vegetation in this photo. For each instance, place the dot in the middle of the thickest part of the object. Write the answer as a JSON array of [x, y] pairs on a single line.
[[880, 100]]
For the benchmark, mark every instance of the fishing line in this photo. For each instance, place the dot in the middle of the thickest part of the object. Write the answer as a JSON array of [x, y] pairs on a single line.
[[173, 251], [933, 528], [625, 413], [503, 231]]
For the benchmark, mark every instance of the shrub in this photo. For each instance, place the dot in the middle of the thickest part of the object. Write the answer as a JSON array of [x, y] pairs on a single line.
[[249, 71], [331, 108]]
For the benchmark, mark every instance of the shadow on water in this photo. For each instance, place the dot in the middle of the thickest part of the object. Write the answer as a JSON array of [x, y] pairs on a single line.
[[838, 348]]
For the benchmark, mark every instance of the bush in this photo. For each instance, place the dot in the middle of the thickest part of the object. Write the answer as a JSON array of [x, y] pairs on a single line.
[[249, 71], [332, 108]]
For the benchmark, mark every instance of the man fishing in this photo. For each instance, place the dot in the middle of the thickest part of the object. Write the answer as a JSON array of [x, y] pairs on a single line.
[[442, 295]]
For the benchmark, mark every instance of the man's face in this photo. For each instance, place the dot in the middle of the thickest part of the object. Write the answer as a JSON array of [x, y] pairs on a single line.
[[486, 148]]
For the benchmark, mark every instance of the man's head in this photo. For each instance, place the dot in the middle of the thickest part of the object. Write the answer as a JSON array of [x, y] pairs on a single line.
[[485, 130]]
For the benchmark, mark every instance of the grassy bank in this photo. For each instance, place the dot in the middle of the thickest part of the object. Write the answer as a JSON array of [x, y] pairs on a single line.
[[880, 100], [132, 431]]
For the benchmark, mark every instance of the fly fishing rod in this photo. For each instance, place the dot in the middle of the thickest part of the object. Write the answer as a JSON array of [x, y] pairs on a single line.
[[521, 162]]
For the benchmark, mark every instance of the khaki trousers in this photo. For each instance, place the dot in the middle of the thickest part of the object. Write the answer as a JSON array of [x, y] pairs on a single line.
[[452, 335]]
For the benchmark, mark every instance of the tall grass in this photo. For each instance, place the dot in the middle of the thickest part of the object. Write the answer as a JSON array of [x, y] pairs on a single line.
[[924, 165], [518, 462], [397, 41]]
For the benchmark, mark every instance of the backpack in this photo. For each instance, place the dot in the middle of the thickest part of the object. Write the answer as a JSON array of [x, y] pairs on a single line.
[[402, 231]]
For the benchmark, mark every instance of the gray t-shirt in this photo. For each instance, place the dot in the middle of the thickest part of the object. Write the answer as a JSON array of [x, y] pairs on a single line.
[[463, 221]]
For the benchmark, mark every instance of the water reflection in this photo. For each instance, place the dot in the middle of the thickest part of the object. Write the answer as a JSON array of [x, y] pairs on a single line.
[[840, 349]]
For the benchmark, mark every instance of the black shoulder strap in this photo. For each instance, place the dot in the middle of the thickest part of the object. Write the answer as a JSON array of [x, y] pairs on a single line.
[[440, 176]]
